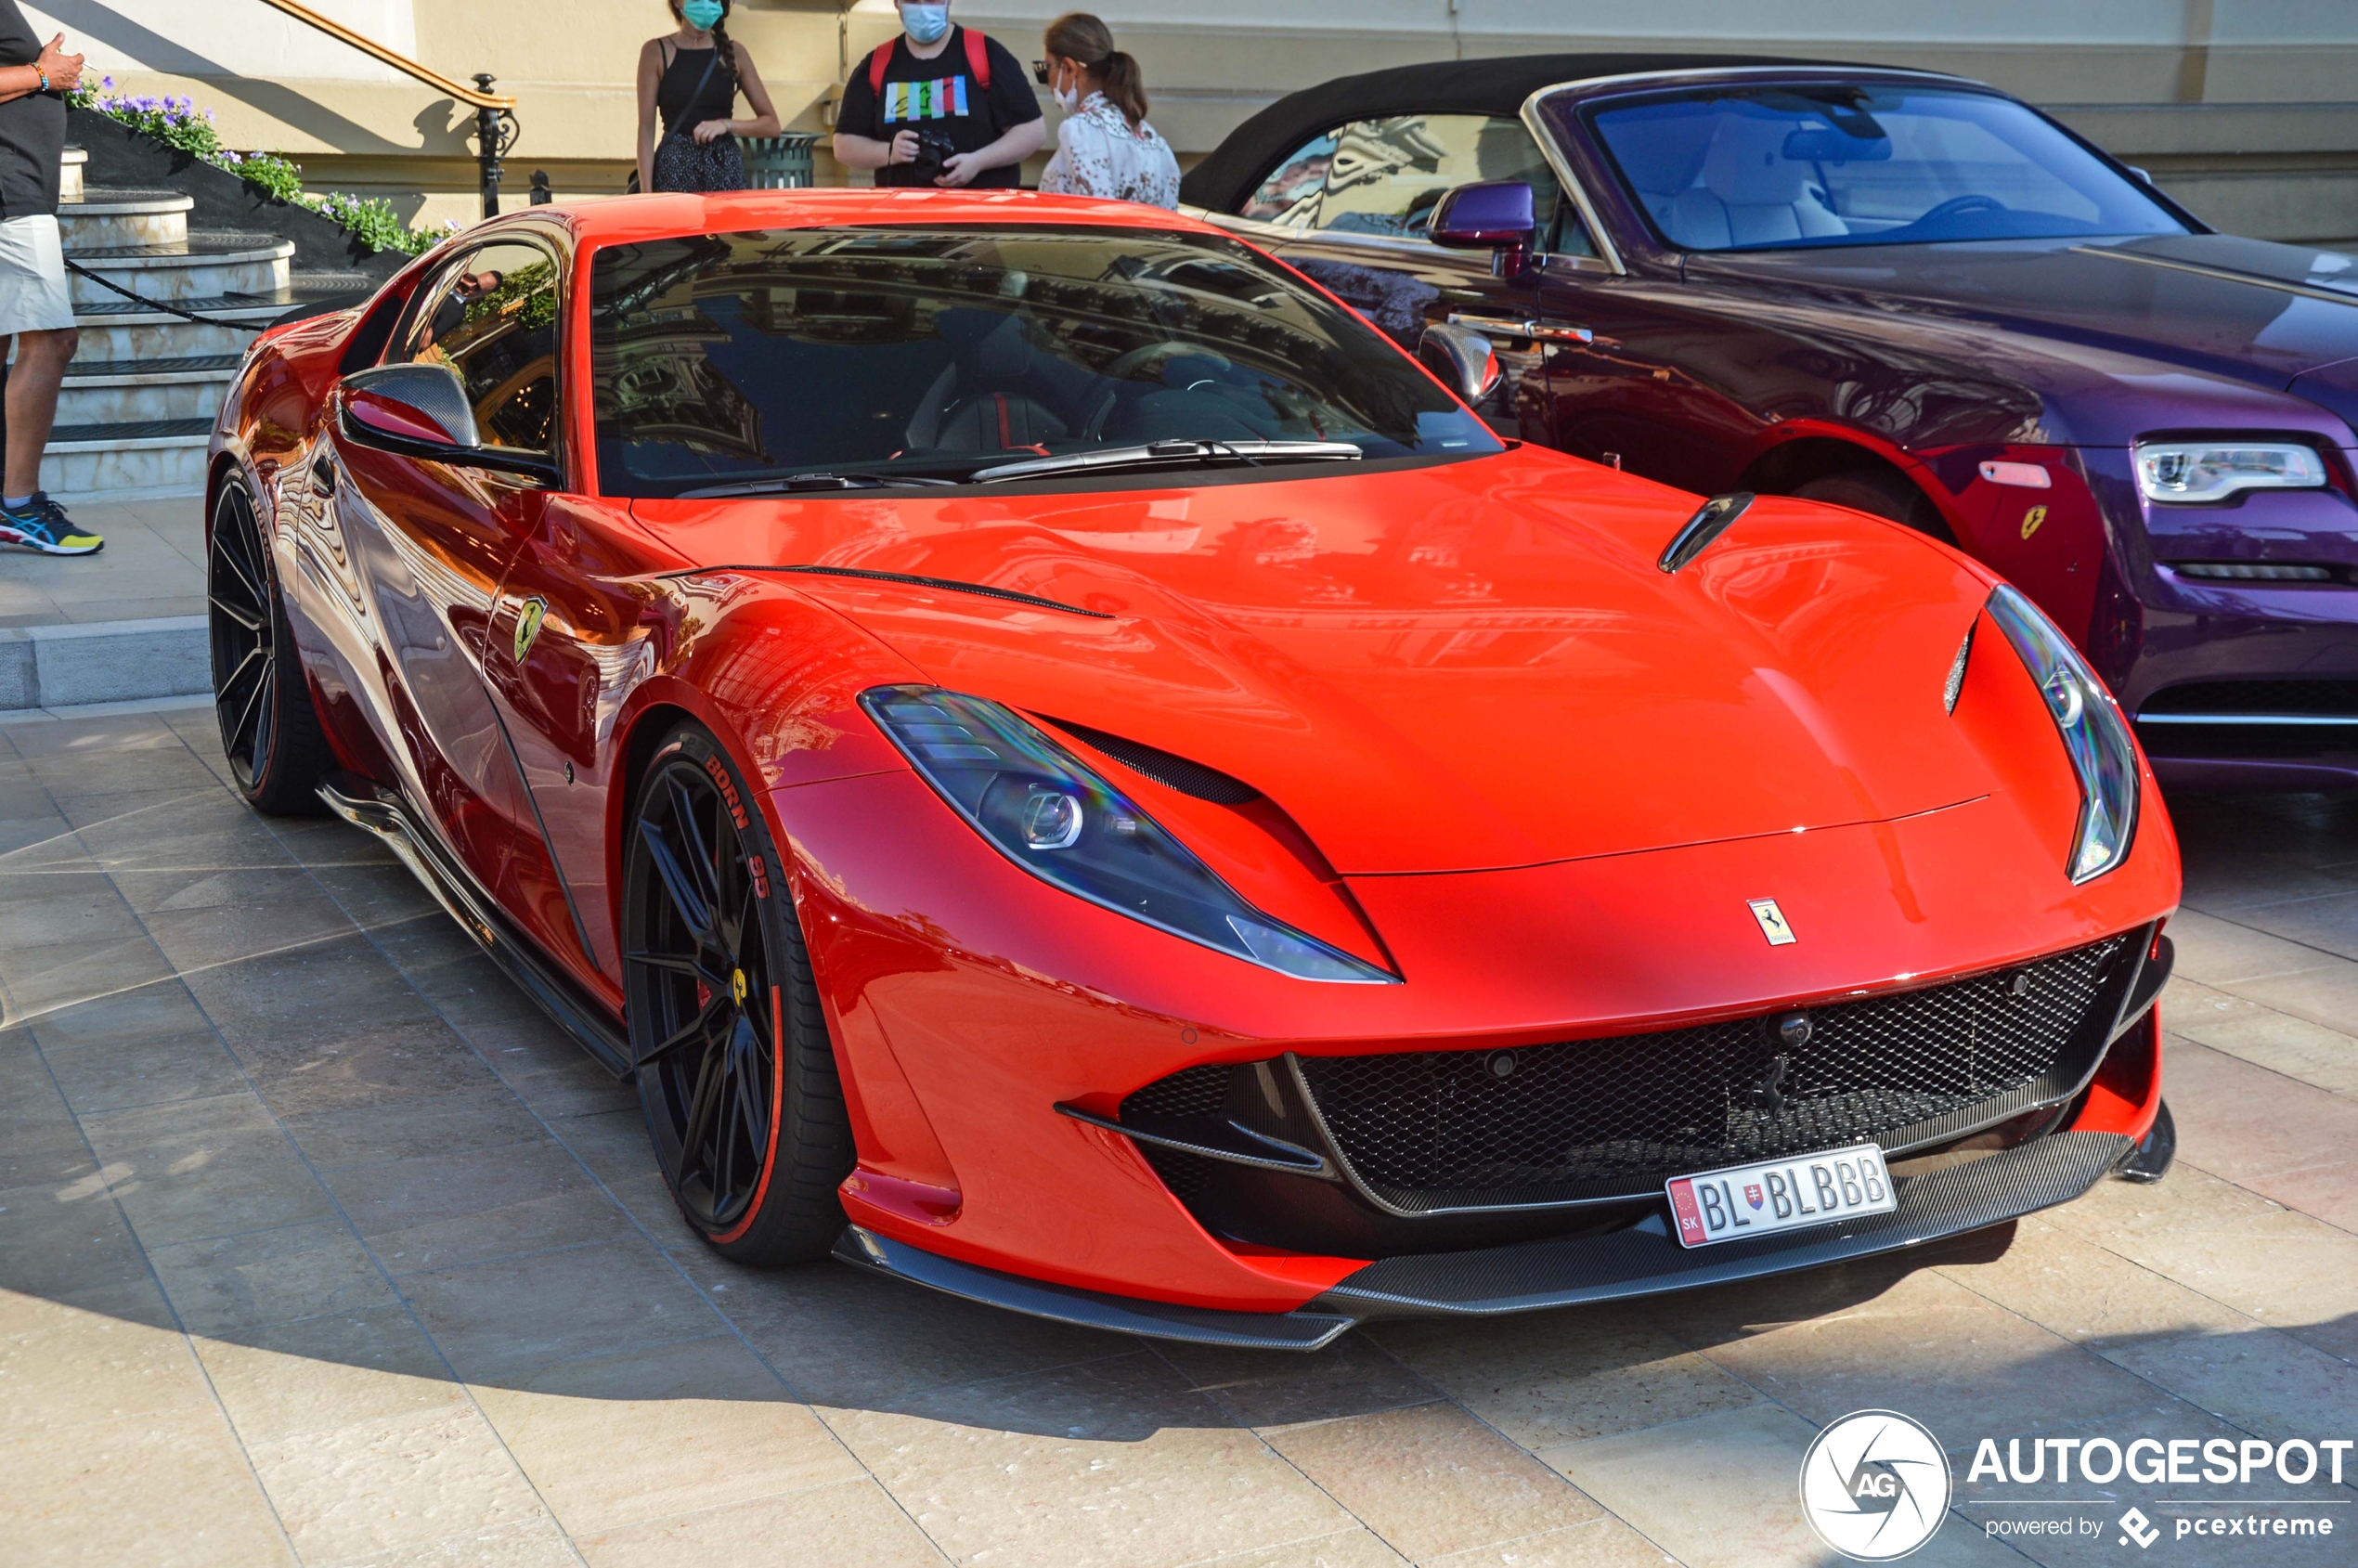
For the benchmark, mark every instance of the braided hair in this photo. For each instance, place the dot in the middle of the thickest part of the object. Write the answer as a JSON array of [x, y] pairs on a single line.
[[1088, 43], [725, 52]]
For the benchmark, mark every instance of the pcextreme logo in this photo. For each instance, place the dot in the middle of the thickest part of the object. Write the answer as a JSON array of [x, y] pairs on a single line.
[[1875, 1485]]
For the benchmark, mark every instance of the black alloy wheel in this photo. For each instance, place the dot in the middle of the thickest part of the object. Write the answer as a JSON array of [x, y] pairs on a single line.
[[736, 1072], [269, 731]]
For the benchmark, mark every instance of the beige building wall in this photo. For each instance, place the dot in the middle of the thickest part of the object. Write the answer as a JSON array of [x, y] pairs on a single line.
[[2245, 110]]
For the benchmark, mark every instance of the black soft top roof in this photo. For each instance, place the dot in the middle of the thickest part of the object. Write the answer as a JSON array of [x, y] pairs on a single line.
[[1227, 179]]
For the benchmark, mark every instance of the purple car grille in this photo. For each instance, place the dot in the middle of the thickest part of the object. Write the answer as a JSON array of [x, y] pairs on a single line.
[[2335, 699]]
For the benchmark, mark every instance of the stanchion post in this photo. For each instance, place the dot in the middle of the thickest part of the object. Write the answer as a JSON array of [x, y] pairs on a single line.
[[489, 146]]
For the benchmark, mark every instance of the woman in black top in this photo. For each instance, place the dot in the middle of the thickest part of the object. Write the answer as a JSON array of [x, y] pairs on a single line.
[[693, 77]]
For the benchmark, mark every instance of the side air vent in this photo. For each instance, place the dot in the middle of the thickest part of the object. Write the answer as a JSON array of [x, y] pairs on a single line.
[[1172, 772]]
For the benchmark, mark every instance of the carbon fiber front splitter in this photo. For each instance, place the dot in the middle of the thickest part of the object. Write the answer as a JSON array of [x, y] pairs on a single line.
[[1641, 1261]]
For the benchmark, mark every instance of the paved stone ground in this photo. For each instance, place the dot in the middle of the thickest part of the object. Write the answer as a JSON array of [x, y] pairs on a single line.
[[318, 1244], [153, 565]]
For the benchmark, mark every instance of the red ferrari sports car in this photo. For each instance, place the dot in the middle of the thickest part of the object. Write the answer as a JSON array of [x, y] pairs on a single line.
[[1071, 771]]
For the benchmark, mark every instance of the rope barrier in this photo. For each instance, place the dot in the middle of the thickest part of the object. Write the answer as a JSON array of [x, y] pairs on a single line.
[[165, 306]]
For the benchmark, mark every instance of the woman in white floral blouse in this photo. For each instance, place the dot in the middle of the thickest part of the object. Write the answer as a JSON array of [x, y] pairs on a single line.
[[1105, 147]]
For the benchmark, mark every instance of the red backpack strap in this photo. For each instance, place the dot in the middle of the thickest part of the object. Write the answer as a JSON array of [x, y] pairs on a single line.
[[977, 56], [878, 63]]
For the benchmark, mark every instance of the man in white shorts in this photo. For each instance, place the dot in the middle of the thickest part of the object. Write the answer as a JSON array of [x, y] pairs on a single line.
[[36, 309]]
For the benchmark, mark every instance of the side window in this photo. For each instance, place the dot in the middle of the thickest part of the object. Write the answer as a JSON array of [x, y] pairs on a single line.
[[493, 319], [1569, 236], [1291, 193], [1384, 177]]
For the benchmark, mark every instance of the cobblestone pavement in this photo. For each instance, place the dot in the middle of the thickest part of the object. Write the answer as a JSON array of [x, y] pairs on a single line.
[[318, 1243]]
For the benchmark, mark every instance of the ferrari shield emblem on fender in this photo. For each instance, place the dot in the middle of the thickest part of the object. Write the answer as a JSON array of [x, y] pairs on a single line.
[[1772, 922], [2031, 519], [528, 621]]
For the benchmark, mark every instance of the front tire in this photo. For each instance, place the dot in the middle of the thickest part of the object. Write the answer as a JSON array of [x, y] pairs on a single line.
[[269, 731], [736, 1072], [1880, 492]]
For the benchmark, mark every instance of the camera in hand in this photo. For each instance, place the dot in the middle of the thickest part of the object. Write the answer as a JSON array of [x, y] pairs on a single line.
[[931, 150]]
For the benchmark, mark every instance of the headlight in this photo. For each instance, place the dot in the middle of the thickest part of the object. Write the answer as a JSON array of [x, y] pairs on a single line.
[[1041, 808], [2094, 732], [2195, 471]]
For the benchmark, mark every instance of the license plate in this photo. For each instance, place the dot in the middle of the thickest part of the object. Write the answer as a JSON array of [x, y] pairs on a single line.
[[1775, 1195]]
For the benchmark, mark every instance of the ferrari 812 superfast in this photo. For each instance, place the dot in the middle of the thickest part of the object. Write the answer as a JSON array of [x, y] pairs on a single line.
[[1070, 770]]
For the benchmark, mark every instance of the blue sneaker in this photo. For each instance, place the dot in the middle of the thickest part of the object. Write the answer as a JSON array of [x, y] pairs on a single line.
[[41, 524]]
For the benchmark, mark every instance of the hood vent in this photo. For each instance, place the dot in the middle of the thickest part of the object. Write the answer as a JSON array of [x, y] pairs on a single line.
[[1170, 771]]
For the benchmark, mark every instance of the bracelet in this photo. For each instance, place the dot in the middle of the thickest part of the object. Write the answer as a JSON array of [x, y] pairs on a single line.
[[44, 78]]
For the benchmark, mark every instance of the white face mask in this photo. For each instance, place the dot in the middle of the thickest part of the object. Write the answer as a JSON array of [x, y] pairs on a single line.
[[1068, 99]]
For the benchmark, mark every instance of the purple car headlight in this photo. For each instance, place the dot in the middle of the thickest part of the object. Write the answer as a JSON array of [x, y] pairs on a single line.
[[2094, 734], [2199, 472]]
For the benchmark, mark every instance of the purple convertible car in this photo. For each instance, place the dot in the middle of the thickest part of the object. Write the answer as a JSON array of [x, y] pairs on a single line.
[[1901, 292]]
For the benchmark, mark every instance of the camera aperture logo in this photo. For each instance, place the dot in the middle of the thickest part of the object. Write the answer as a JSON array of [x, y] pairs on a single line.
[[1875, 1485]]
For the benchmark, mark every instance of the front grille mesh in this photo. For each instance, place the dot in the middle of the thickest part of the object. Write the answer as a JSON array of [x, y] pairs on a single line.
[[1621, 1115], [2302, 698]]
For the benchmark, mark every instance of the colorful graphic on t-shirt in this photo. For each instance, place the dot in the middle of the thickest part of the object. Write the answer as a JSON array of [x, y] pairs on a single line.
[[942, 98]]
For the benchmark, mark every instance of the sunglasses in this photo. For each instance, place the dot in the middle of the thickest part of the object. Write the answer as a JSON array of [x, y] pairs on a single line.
[[1040, 72]]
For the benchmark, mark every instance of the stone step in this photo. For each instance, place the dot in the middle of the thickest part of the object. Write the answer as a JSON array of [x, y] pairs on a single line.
[[104, 662], [105, 218], [205, 264], [114, 329], [141, 391], [70, 176], [127, 460]]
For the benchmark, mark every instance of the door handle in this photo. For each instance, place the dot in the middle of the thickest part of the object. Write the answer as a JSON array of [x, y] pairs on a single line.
[[1522, 327], [323, 474]]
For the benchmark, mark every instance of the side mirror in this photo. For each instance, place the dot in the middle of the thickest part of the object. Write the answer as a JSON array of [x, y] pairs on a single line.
[[410, 403], [1492, 215], [420, 411], [1462, 358]]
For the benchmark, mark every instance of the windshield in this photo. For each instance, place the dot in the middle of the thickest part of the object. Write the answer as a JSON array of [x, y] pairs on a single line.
[[929, 355], [1778, 167]]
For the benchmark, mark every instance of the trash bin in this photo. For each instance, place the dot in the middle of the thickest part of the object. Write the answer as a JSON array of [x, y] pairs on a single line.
[[780, 163]]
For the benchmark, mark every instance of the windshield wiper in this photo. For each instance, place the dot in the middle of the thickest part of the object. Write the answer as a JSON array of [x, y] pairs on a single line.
[[820, 480], [1170, 453]]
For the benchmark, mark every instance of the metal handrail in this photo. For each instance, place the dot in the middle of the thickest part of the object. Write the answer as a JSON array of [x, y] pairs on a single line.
[[492, 138], [368, 45]]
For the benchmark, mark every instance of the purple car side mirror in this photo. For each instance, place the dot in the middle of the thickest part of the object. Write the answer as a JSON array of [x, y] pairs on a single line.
[[1492, 215]]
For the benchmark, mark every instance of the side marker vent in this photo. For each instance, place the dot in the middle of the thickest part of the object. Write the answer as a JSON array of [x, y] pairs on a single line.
[[1956, 686], [1711, 520]]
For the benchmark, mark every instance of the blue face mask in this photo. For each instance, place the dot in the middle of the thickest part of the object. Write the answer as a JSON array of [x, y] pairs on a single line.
[[702, 14], [926, 24]]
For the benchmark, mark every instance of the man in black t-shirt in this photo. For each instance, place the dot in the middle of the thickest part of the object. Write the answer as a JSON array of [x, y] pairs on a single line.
[[937, 80]]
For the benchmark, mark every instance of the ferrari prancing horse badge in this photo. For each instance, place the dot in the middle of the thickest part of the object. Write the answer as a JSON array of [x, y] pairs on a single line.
[[1772, 922], [528, 621]]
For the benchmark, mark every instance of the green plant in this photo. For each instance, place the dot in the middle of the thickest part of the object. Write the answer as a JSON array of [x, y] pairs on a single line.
[[178, 124]]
